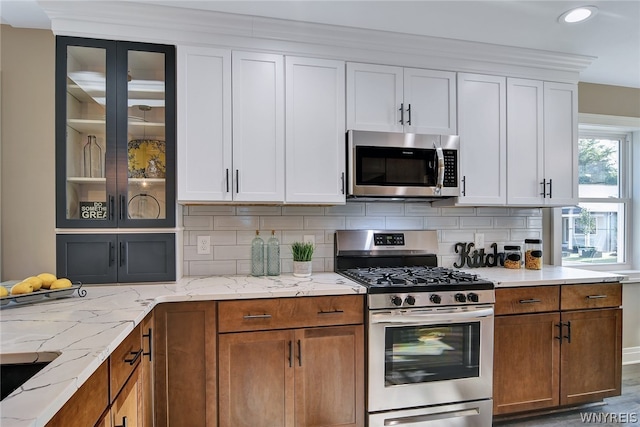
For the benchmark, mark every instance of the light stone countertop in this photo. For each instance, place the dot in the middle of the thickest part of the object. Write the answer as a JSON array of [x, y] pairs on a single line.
[[548, 275], [86, 330]]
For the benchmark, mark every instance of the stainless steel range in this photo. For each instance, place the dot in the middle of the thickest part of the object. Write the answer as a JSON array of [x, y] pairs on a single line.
[[430, 330]]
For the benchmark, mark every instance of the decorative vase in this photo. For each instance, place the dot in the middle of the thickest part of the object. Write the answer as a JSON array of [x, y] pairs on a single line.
[[302, 268]]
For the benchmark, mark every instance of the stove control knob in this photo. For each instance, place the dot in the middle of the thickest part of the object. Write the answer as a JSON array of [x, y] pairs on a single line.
[[473, 297], [396, 300], [410, 300], [460, 298], [435, 298]]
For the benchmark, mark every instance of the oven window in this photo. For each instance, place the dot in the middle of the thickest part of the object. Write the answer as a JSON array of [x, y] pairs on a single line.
[[394, 166], [418, 354]]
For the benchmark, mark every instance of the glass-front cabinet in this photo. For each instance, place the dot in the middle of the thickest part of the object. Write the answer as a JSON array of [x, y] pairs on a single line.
[[115, 133]]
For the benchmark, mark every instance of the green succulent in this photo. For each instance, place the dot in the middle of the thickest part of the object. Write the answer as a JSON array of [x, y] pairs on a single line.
[[302, 251]]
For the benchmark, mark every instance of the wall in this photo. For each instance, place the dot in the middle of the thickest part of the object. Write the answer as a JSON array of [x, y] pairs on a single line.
[[233, 227], [27, 61], [608, 100]]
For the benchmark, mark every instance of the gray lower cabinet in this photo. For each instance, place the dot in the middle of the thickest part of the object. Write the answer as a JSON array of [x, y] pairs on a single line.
[[110, 258]]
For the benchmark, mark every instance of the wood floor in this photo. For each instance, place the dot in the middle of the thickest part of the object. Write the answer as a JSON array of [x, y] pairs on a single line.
[[626, 407]]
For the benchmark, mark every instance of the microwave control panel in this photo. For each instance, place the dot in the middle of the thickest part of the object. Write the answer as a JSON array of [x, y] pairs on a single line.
[[450, 168]]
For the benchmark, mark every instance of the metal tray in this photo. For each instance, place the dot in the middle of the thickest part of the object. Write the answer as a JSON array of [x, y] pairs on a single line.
[[38, 296]]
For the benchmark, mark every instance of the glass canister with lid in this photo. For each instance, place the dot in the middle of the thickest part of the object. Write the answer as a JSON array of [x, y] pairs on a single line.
[[512, 257], [533, 254]]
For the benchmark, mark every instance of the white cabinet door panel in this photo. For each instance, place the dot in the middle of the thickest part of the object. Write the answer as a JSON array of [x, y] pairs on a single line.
[[315, 130], [431, 95], [374, 95], [482, 126], [525, 162], [204, 124], [258, 127]]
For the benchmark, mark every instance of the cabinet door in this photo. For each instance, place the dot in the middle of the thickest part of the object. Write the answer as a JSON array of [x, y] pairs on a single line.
[[591, 366], [126, 410], [146, 257], [89, 258], [482, 126], [430, 101], [526, 362], [315, 131], [185, 364], [374, 97], [256, 379], [258, 127], [146, 366], [204, 124], [525, 149], [561, 143], [329, 377]]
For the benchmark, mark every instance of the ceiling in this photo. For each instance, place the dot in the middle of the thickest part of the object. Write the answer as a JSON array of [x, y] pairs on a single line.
[[612, 36]]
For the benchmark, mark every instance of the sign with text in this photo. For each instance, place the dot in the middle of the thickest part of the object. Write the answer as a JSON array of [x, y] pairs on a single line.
[[93, 210]]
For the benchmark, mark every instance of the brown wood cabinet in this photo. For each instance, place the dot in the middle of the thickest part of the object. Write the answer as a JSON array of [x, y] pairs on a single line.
[[146, 373], [304, 376], [556, 345], [184, 362]]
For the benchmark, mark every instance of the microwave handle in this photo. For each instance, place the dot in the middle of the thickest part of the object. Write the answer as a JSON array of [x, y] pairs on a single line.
[[440, 181]]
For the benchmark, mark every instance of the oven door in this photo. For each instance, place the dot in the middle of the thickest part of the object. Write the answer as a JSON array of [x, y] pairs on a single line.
[[424, 357]]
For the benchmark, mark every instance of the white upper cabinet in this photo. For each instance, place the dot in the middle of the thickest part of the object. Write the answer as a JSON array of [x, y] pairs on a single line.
[[541, 143], [561, 143], [315, 131], [204, 124], [482, 125], [396, 99], [258, 127]]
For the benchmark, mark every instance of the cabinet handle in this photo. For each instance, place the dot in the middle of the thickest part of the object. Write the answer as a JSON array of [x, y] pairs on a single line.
[[342, 179], [464, 185], [409, 111], [544, 188], [136, 356], [112, 254], [596, 296], [123, 254], [331, 312], [257, 316], [237, 181], [528, 301], [401, 114], [124, 422], [149, 336], [111, 206], [290, 354], [559, 326], [568, 336], [227, 180], [123, 206], [299, 354], [550, 188]]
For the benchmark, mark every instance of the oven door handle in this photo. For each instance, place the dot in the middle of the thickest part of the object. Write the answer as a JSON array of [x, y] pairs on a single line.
[[421, 318]]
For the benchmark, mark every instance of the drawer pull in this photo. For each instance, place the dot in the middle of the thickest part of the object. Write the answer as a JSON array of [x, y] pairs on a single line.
[[596, 296], [290, 354], [331, 312], [136, 356], [299, 354], [529, 301], [150, 344], [257, 316], [559, 326]]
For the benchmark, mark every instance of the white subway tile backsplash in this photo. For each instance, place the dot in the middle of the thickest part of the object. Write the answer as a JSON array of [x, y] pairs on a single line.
[[492, 211], [494, 236], [520, 235], [290, 236], [456, 236], [324, 222], [437, 223], [381, 208], [511, 222], [259, 210], [303, 210], [476, 222], [198, 222], [190, 254], [458, 211], [236, 222], [525, 212], [420, 209], [231, 252], [351, 209], [534, 222], [213, 268], [211, 210], [365, 222], [245, 237], [404, 223], [217, 237], [281, 222]]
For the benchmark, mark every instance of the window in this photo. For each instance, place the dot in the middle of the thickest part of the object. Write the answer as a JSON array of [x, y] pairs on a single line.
[[594, 231]]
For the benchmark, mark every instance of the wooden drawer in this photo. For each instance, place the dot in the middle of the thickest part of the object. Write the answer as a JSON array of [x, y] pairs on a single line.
[[285, 313], [531, 299], [124, 360], [577, 297]]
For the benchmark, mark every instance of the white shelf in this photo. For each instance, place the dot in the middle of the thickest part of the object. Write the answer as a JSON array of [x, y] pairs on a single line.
[[85, 180]]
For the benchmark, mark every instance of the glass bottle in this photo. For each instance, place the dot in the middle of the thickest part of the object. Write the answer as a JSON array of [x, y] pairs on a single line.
[[533, 254], [273, 255], [257, 255], [92, 154]]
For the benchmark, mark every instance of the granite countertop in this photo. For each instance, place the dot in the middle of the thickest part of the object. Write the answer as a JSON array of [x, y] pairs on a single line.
[[548, 275], [85, 331]]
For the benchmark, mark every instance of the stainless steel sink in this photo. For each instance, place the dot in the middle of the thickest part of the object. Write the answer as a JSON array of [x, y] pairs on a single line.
[[17, 368]]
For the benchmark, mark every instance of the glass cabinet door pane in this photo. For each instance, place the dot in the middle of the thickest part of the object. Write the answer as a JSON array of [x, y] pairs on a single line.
[[86, 192], [146, 146]]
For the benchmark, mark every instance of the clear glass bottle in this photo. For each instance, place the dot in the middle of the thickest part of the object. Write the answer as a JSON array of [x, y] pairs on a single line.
[[533, 254], [257, 255], [512, 257], [273, 255], [92, 154]]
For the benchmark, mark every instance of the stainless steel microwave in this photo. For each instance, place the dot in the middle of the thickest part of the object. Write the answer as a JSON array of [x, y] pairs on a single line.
[[402, 165]]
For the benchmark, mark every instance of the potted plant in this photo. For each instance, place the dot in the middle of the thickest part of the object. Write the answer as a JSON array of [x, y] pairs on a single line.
[[302, 254]]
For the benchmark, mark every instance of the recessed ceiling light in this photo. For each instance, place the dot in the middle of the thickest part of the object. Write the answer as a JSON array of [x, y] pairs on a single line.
[[578, 14]]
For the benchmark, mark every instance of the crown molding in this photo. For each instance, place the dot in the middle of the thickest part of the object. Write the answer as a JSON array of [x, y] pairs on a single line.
[[123, 20]]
